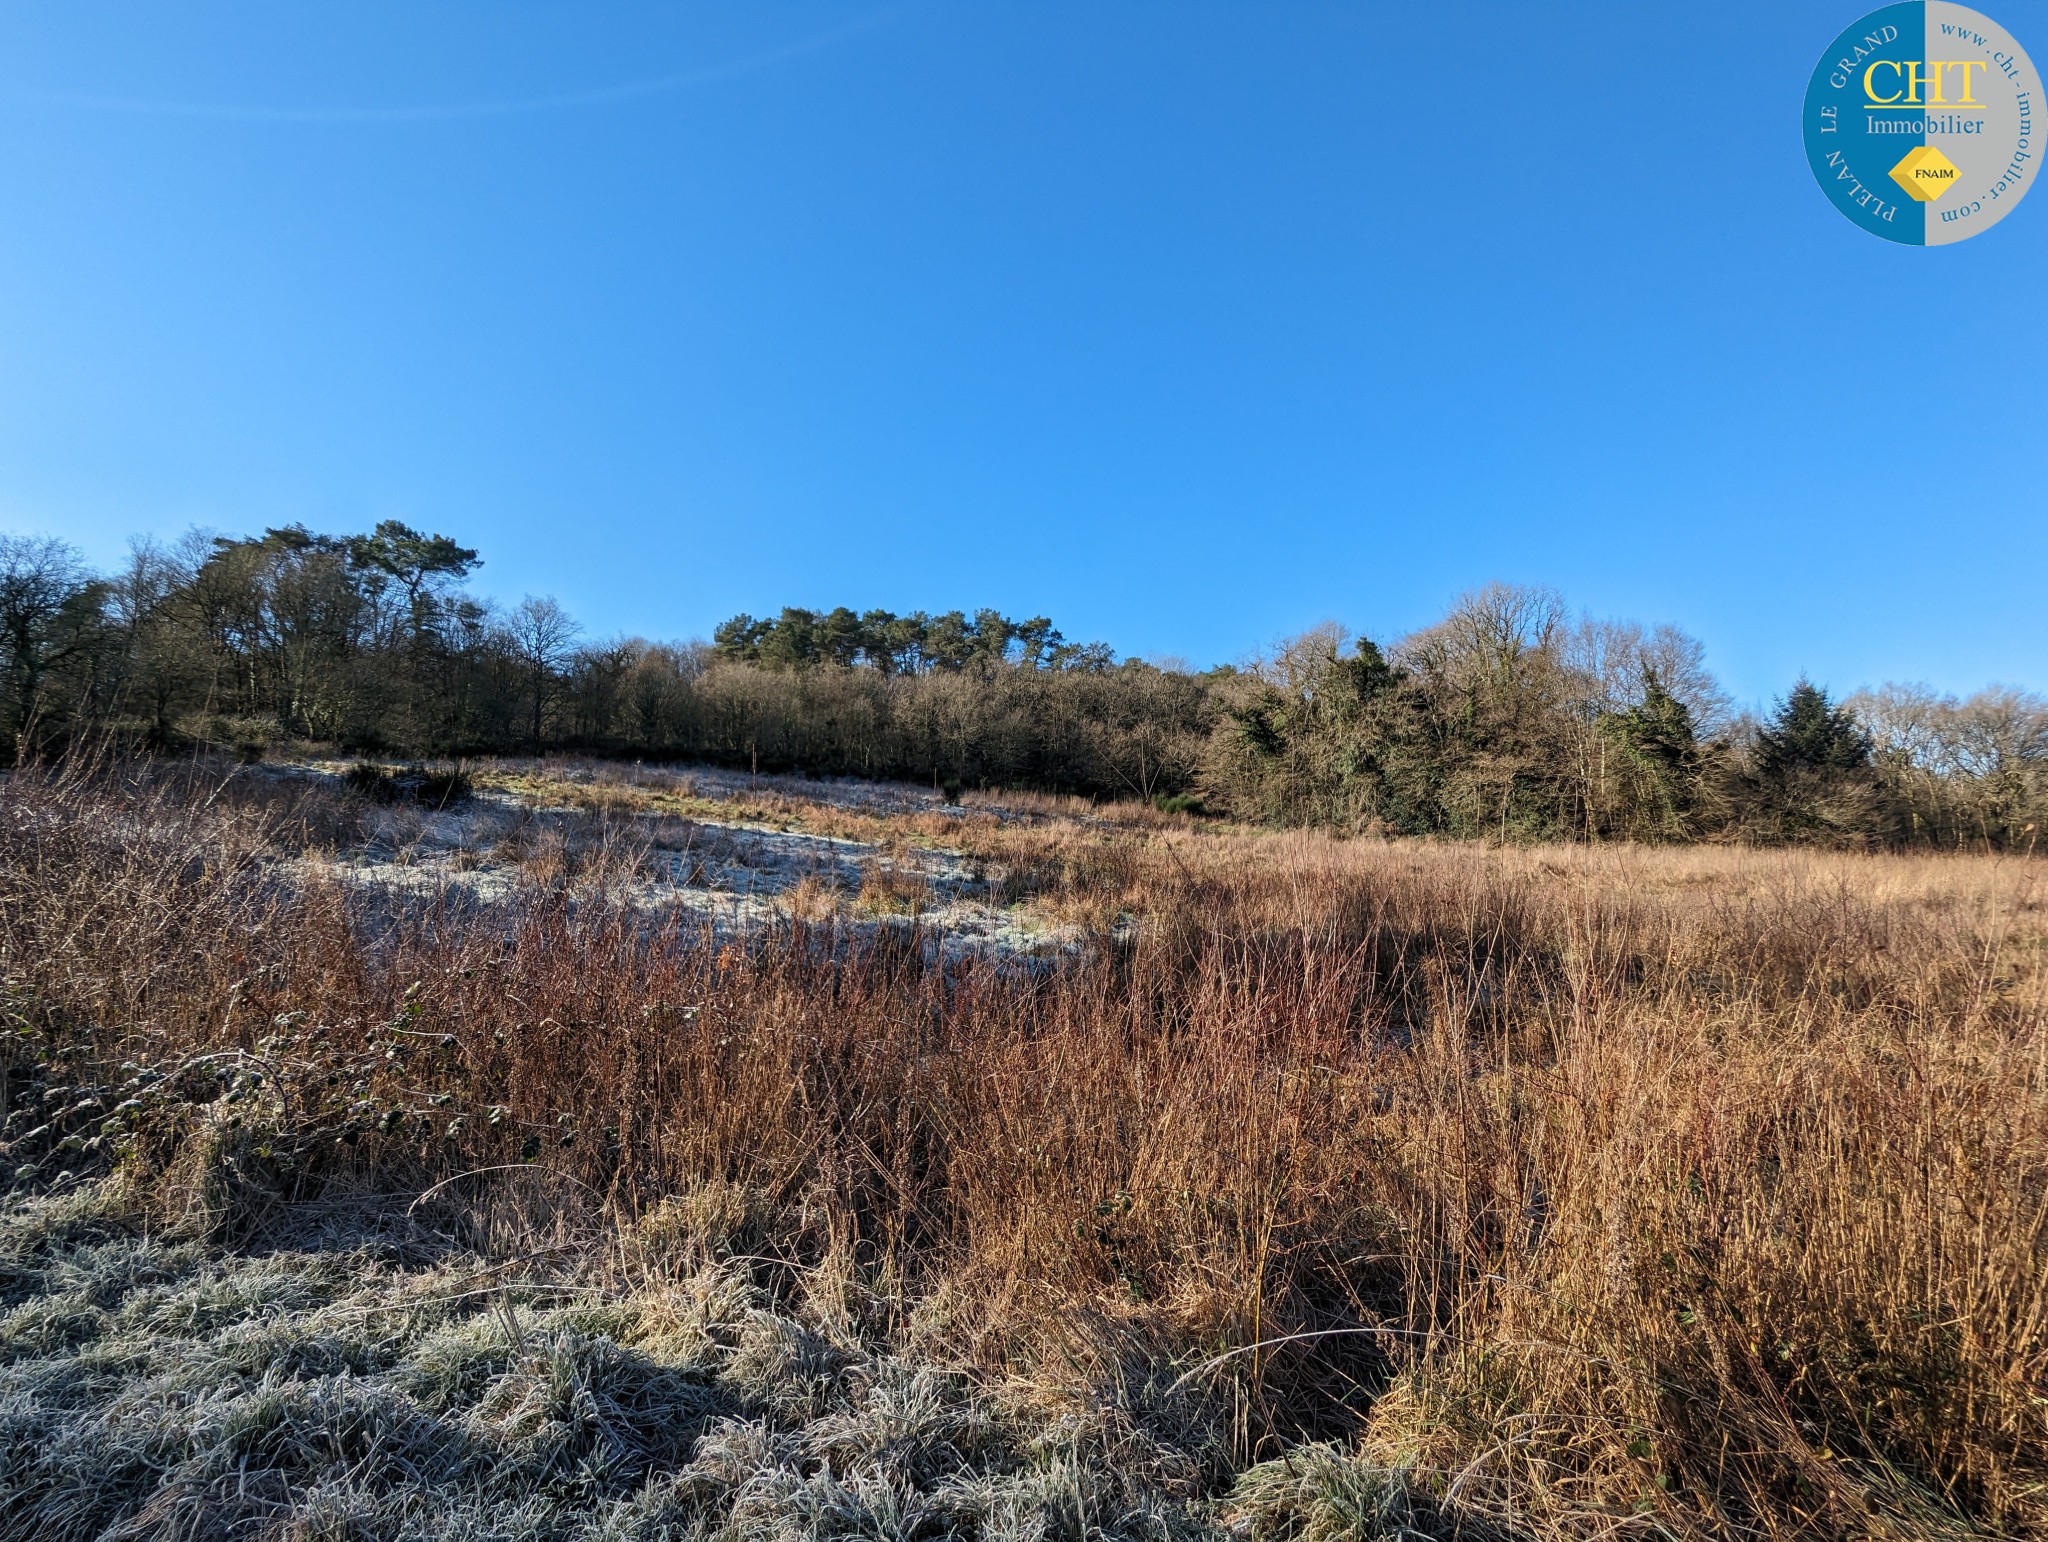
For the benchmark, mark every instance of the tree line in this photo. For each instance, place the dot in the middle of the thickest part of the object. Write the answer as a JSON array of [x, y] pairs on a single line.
[[902, 645], [1507, 719]]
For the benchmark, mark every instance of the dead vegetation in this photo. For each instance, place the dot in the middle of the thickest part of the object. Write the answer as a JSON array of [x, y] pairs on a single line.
[[1373, 1189], [395, 1389]]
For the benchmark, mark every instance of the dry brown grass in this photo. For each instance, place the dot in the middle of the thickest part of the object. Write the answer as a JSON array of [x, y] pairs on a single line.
[[812, 898], [890, 889], [1702, 1191], [776, 803]]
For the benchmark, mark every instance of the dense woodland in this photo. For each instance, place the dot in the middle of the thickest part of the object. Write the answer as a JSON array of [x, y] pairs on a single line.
[[1508, 719]]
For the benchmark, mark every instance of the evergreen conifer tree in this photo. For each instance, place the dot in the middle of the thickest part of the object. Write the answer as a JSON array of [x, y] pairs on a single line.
[[1660, 764], [1810, 733], [1813, 779]]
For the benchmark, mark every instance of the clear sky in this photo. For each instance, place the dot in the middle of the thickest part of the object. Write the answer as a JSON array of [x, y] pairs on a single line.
[[1188, 324]]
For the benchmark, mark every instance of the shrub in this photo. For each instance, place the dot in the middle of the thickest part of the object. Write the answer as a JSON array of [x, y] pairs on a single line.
[[428, 787]]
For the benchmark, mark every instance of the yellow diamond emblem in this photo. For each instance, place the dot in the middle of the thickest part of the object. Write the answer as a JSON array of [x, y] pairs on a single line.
[[1925, 173]]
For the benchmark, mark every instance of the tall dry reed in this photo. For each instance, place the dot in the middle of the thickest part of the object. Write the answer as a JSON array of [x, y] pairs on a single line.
[[1703, 1191]]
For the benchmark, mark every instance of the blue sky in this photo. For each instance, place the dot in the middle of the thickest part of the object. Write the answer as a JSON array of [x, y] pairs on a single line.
[[1190, 325]]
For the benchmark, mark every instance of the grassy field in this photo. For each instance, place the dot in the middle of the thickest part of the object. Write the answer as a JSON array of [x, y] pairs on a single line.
[[1007, 1168]]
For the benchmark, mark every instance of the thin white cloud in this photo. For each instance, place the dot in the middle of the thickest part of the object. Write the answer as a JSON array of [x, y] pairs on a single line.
[[599, 96]]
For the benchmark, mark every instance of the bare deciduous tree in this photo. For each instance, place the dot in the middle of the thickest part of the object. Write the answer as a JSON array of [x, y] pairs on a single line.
[[46, 619], [544, 637]]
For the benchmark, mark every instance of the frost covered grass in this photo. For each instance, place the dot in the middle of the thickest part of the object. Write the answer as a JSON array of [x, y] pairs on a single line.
[[738, 853], [1335, 1189], [394, 1387]]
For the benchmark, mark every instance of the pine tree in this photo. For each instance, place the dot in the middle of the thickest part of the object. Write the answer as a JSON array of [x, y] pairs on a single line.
[[1810, 733], [1813, 779], [1659, 761]]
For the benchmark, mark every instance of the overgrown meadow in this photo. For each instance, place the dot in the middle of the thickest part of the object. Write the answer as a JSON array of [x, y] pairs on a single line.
[[1308, 1187]]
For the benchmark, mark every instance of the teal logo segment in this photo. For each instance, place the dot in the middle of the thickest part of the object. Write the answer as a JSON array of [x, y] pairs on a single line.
[[1921, 123]]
